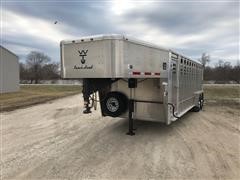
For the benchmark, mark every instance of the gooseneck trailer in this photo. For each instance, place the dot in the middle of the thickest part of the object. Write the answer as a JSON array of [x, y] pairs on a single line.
[[134, 79]]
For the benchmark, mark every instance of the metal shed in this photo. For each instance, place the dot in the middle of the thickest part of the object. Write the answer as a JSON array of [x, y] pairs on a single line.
[[9, 71]]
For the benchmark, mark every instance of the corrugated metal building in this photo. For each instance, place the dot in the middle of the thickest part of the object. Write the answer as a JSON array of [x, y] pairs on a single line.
[[9, 71]]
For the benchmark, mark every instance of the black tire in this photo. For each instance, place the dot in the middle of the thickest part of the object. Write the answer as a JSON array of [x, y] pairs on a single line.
[[202, 101], [200, 104], [114, 104]]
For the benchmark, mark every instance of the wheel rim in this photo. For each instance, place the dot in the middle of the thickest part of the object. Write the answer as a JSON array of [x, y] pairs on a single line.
[[201, 102], [112, 104]]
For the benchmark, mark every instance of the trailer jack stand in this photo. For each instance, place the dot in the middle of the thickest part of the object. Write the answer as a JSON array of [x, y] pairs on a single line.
[[87, 108], [130, 118], [87, 111]]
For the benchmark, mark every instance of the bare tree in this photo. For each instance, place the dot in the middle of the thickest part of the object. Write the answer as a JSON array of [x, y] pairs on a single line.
[[51, 71], [24, 72], [205, 59], [235, 73], [35, 61], [223, 72]]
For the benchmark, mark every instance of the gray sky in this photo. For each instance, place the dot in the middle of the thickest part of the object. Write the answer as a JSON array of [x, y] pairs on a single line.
[[189, 27]]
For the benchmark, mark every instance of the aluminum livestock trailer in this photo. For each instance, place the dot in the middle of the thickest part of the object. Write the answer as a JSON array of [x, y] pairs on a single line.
[[133, 78]]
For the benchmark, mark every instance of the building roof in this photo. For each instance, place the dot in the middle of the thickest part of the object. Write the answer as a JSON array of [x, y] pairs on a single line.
[[8, 50]]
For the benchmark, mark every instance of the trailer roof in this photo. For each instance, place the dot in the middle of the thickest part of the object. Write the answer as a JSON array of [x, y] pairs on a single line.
[[184, 57], [113, 36], [127, 38]]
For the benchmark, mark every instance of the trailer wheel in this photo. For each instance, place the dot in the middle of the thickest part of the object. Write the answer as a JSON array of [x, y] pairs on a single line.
[[196, 108], [114, 104], [202, 101], [200, 104]]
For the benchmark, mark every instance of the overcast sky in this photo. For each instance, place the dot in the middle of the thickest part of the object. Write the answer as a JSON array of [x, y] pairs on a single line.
[[189, 27]]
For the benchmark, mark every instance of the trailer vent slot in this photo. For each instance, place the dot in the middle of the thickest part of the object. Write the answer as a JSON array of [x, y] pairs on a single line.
[[164, 66]]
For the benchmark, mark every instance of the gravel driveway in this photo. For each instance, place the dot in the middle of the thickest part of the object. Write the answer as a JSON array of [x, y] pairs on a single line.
[[56, 141]]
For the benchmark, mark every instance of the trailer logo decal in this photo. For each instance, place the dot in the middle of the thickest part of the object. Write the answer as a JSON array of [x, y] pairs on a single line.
[[83, 53], [83, 67]]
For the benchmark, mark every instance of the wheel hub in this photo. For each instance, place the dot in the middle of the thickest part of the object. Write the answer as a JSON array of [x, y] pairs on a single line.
[[112, 104]]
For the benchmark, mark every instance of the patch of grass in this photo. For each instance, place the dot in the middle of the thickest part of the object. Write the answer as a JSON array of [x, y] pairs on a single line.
[[35, 94], [222, 94]]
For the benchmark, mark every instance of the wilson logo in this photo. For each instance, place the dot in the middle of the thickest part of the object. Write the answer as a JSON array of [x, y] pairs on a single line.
[[83, 54], [83, 66]]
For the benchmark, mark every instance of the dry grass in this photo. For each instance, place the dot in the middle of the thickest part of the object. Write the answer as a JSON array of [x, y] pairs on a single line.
[[222, 94], [35, 94]]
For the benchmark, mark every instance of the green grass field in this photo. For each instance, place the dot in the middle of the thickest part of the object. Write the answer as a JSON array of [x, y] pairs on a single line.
[[35, 94]]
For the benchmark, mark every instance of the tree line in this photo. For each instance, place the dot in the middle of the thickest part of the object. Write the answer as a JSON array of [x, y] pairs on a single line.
[[38, 66], [222, 72]]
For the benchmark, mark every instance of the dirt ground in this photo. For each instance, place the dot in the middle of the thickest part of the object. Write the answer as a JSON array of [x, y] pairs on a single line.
[[56, 141]]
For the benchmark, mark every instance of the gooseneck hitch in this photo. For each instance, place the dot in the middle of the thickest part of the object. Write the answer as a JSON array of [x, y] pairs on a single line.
[[86, 95], [92, 85]]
